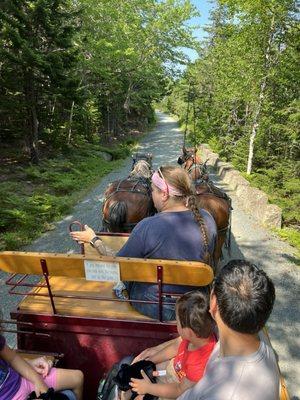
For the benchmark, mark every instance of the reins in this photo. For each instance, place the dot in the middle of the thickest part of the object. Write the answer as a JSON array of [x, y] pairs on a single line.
[[132, 190]]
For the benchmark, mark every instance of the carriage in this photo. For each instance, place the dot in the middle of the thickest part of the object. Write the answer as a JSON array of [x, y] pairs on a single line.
[[72, 311], [68, 309]]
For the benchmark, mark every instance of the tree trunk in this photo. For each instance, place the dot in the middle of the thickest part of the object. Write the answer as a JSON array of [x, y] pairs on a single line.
[[70, 122], [263, 85], [255, 124], [32, 119]]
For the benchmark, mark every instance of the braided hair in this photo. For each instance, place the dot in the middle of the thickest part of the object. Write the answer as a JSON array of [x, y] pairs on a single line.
[[180, 179]]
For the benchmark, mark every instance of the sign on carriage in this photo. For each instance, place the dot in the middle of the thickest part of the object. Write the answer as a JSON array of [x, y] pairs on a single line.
[[101, 271]]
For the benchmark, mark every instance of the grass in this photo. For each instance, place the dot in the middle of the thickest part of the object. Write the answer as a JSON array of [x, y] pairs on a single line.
[[292, 236], [33, 197]]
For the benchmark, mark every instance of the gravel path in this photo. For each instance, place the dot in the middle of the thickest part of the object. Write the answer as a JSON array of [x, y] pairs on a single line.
[[249, 240]]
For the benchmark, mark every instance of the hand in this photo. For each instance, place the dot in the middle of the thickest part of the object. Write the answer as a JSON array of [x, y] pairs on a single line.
[[83, 236], [41, 365], [141, 386], [145, 354]]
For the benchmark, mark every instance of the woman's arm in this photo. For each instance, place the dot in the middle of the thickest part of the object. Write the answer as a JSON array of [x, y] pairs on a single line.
[[24, 369], [165, 390], [87, 235]]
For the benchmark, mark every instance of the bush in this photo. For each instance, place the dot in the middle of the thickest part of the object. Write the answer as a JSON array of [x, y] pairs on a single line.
[[48, 191]]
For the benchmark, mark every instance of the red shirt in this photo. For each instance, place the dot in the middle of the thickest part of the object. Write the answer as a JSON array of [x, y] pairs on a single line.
[[191, 363]]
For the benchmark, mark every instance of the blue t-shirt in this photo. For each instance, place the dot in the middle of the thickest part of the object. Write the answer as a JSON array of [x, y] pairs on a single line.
[[10, 380], [171, 236]]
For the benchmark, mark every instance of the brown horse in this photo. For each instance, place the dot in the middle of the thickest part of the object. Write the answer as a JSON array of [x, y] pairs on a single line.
[[129, 200], [192, 163], [210, 197]]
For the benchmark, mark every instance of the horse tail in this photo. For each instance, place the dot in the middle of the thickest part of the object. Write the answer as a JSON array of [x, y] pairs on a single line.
[[117, 216]]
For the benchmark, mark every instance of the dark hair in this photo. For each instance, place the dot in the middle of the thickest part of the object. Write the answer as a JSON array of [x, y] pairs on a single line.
[[180, 179], [193, 312], [245, 296]]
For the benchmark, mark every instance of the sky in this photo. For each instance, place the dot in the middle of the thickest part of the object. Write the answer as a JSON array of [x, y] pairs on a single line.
[[204, 6]]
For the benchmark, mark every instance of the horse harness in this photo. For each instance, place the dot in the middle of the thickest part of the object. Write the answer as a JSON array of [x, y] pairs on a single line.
[[128, 226], [214, 191]]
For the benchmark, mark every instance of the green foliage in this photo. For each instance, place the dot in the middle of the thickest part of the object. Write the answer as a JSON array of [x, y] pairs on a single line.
[[85, 71], [246, 83], [47, 192], [291, 235]]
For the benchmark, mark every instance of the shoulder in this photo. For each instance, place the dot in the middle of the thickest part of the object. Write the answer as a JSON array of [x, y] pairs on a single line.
[[206, 215], [148, 222], [209, 219]]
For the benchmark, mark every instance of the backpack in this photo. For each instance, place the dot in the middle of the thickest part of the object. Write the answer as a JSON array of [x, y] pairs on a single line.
[[107, 388]]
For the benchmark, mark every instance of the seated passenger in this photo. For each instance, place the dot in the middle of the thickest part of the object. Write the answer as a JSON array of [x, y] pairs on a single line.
[[178, 232], [183, 359], [19, 378], [242, 365]]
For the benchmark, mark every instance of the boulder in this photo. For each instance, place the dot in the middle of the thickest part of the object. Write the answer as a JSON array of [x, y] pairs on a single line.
[[252, 200], [105, 156], [272, 216]]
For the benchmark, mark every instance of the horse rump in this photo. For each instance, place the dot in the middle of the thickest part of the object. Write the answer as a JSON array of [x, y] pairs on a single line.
[[117, 216]]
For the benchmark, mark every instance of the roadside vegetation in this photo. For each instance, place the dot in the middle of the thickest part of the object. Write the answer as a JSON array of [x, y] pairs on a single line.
[[76, 75], [243, 97], [32, 197]]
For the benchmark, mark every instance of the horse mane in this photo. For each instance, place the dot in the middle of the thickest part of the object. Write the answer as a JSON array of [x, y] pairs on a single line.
[[141, 170]]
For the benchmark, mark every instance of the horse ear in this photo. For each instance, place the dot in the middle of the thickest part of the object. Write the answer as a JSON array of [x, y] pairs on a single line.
[[184, 150]]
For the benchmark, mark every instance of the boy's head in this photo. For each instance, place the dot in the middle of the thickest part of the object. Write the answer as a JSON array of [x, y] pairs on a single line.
[[243, 296], [192, 310]]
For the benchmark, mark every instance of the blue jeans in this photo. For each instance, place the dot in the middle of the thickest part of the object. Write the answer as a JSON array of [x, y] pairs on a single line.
[[143, 291], [69, 393]]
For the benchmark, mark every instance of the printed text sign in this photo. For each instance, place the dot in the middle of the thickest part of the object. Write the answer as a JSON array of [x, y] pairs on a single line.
[[101, 271]]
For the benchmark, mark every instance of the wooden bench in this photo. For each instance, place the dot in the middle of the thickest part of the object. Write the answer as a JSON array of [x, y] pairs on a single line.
[[31, 355], [102, 329], [76, 296], [83, 318]]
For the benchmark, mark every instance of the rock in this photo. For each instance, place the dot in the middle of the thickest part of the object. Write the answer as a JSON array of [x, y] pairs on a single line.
[[273, 216], [253, 200], [105, 156], [236, 180]]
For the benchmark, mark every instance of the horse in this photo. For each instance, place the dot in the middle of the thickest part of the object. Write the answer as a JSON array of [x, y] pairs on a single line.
[[192, 163], [209, 197], [142, 156], [128, 201]]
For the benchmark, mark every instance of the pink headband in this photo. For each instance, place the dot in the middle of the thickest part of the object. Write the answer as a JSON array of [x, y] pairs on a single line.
[[163, 185]]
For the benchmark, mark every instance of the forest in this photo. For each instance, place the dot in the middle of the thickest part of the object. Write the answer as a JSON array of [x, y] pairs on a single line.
[[242, 98], [77, 77]]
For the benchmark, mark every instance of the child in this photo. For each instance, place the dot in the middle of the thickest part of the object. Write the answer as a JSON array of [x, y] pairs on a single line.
[[183, 359], [18, 378]]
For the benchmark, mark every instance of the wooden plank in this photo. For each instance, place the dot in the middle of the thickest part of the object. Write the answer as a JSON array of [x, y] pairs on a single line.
[[131, 269], [114, 243], [80, 307]]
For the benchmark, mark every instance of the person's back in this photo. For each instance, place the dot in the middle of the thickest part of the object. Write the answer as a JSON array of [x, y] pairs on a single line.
[[243, 365], [179, 232], [171, 235], [252, 377]]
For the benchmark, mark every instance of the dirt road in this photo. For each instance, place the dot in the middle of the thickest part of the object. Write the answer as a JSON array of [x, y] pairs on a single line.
[[249, 240]]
